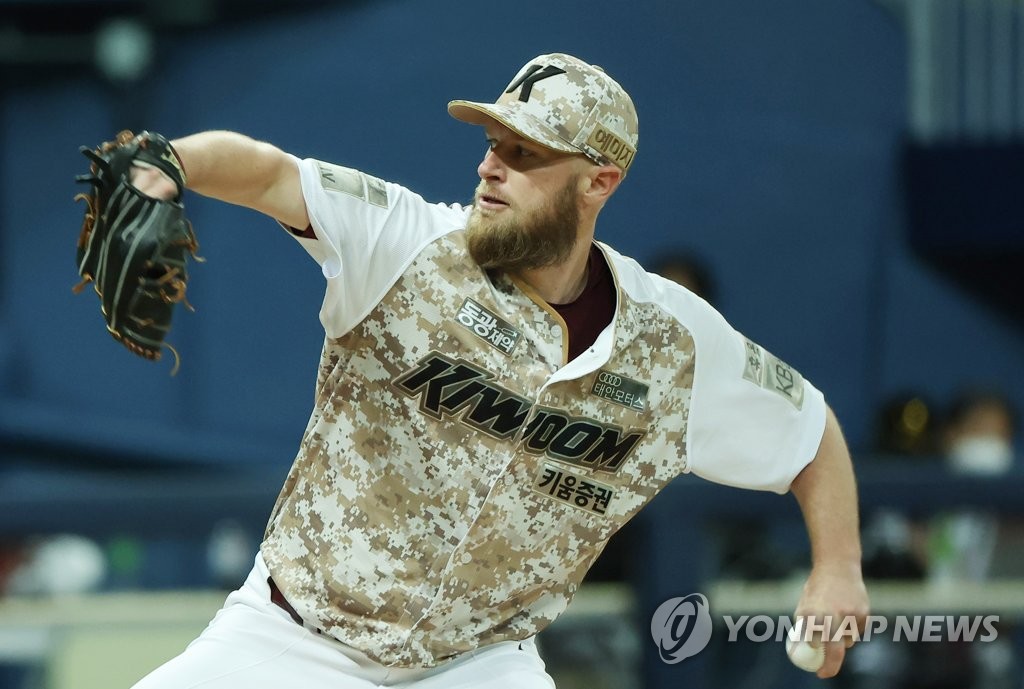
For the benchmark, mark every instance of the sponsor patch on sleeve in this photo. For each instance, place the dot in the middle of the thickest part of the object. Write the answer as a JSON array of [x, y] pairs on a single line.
[[771, 373], [573, 489], [354, 183]]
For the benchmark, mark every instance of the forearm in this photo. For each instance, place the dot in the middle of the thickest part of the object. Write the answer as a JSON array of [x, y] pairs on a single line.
[[237, 169], [827, 493], [834, 598]]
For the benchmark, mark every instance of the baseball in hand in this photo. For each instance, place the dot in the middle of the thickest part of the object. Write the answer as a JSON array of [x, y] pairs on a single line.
[[801, 652]]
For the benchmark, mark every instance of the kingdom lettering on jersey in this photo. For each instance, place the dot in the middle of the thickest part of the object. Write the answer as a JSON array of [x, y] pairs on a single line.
[[457, 388], [493, 330], [771, 373]]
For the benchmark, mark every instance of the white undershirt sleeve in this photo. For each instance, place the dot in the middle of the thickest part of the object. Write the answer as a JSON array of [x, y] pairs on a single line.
[[367, 232]]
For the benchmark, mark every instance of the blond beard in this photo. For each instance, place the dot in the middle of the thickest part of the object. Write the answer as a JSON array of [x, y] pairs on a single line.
[[543, 237]]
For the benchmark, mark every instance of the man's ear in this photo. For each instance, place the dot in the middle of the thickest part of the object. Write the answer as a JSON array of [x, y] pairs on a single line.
[[600, 182]]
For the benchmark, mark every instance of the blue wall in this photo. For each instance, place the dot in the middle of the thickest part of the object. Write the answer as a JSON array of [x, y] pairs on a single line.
[[769, 142]]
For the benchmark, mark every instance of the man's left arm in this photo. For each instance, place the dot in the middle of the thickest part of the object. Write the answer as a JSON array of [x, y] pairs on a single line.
[[827, 493]]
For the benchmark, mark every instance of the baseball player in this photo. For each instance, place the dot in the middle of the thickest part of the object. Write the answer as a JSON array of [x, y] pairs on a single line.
[[498, 393]]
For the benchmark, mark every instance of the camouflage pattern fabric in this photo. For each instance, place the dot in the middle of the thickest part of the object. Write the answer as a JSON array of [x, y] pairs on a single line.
[[566, 104], [443, 498]]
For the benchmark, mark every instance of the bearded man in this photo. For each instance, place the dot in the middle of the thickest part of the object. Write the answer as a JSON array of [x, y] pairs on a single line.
[[498, 394]]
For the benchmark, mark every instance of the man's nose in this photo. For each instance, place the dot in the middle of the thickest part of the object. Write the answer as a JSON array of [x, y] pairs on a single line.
[[491, 167]]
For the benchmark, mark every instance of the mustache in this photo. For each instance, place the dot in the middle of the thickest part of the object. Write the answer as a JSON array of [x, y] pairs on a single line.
[[484, 191]]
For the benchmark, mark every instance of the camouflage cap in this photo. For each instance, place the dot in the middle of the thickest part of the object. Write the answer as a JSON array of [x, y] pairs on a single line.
[[563, 103]]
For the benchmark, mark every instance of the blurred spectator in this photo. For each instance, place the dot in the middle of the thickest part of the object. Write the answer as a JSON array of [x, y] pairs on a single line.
[[229, 550], [889, 546], [976, 436], [977, 439], [979, 433], [62, 564], [688, 270], [905, 426]]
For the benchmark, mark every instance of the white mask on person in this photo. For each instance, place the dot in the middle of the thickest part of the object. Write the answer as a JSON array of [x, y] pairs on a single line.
[[981, 454]]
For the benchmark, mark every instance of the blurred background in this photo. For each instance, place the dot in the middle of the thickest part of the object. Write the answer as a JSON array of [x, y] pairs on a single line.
[[841, 178]]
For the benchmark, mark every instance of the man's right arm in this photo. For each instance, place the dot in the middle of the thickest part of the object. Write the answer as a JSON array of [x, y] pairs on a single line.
[[237, 169]]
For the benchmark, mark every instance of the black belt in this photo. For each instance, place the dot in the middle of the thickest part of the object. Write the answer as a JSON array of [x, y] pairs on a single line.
[[278, 599]]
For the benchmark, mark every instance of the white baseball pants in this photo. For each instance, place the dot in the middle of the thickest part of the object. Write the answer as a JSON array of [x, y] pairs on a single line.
[[253, 644]]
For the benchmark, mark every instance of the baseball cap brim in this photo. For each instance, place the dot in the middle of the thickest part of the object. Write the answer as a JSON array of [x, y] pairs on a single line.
[[512, 117]]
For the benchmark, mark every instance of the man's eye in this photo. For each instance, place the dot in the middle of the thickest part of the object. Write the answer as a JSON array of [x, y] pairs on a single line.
[[523, 152]]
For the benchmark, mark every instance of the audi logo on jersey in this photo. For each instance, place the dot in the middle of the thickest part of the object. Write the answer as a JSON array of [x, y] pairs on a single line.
[[456, 388]]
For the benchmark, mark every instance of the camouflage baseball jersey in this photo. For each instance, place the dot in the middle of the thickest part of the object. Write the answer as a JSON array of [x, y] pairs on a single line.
[[457, 477]]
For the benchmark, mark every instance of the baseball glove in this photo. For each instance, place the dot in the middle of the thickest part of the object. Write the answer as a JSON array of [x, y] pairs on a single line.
[[133, 247]]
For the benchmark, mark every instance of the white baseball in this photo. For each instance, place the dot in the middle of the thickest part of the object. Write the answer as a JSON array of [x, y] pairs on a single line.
[[800, 652]]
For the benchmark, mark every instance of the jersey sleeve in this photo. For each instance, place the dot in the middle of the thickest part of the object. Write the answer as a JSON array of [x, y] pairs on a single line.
[[754, 421], [366, 232]]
